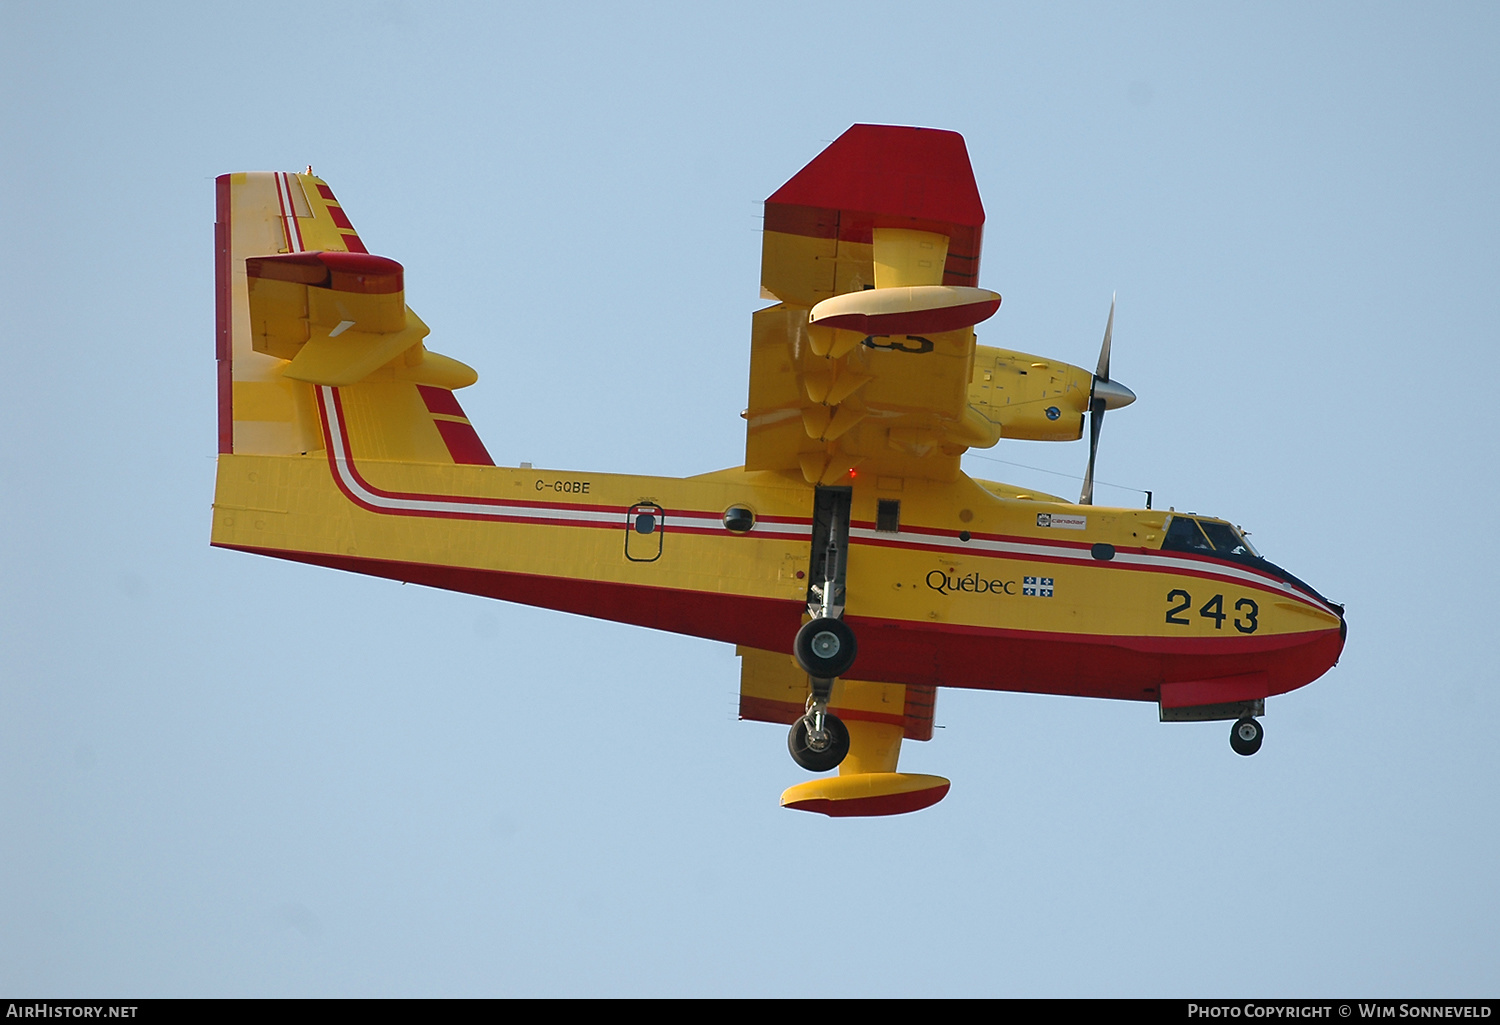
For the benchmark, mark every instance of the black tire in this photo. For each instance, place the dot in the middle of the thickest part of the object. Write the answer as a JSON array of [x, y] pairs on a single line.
[[825, 648], [1245, 736], [819, 761]]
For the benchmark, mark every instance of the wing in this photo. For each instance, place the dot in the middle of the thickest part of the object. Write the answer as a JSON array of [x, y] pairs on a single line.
[[867, 363], [872, 251]]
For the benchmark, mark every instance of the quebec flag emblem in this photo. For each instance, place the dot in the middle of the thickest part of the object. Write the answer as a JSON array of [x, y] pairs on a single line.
[[1037, 587]]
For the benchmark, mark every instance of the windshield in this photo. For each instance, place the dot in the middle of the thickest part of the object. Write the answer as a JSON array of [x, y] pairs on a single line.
[[1185, 533], [1226, 539]]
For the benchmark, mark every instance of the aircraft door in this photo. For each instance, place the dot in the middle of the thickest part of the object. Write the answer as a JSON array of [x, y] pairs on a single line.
[[644, 526]]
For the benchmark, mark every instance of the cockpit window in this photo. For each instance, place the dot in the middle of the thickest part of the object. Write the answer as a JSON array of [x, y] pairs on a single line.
[[1192, 535], [1222, 541], [1225, 538], [1184, 534]]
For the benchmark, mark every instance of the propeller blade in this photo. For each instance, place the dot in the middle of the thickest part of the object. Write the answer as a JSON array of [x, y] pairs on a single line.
[[1096, 424], [1103, 371], [1105, 394]]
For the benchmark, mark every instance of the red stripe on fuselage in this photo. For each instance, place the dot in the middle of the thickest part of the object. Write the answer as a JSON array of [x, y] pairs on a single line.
[[893, 651], [1181, 564]]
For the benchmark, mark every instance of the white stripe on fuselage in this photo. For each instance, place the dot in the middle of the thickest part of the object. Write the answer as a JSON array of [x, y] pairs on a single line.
[[343, 461], [1084, 555]]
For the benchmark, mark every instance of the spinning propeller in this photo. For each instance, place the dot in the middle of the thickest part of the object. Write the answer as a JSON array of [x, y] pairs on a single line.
[[1105, 394]]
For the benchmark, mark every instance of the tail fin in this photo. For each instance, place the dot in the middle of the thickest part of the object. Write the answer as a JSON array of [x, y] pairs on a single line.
[[301, 303]]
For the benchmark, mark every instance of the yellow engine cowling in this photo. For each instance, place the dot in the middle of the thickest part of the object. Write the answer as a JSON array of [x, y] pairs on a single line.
[[1030, 397]]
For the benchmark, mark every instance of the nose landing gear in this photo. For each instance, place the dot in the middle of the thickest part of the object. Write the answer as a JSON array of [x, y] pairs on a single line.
[[1246, 735]]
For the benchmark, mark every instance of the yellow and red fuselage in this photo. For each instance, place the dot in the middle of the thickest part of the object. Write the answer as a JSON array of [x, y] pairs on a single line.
[[971, 589]]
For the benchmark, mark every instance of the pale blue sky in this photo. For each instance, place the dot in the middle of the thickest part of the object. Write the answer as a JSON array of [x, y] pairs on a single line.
[[222, 775]]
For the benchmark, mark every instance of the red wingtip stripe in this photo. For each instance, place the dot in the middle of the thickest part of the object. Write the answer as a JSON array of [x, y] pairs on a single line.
[[353, 244], [915, 322], [887, 176]]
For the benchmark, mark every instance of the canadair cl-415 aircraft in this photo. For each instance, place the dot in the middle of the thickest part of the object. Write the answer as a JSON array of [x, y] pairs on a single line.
[[852, 562]]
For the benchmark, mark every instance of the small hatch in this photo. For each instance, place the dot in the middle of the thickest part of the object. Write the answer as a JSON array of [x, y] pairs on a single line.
[[888, 515]]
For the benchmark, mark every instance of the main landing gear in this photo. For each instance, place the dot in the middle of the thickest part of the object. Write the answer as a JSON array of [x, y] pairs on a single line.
[[819, 740], [1246, 735], [825, 646]]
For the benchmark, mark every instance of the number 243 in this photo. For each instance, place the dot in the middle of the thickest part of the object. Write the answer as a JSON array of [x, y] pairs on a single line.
[[1246, 622]]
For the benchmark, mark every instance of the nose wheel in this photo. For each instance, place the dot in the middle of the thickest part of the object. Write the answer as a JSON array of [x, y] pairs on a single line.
[[1246, 735]]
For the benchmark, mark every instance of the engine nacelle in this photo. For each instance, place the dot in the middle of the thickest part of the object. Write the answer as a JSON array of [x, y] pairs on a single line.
[[1030, 397]]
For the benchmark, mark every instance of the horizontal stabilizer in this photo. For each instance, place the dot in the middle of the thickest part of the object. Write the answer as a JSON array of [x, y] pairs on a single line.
[[338, 317], [351, 356]]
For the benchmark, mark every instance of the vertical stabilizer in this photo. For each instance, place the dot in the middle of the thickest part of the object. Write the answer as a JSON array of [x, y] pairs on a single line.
[[302, 304]]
